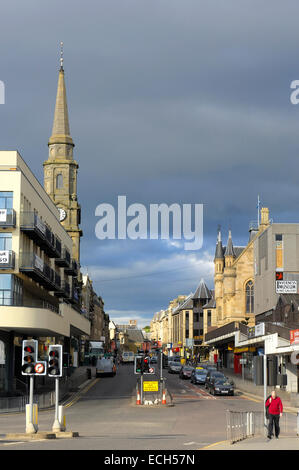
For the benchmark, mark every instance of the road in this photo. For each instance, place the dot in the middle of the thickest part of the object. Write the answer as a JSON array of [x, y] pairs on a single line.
[[107, 417]]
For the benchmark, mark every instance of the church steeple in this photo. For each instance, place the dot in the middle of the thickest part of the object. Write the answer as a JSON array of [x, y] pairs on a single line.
[[61, 129], [60, 170]]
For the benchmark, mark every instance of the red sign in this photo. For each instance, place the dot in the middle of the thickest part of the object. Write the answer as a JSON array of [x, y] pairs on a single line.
[[39, 368], [294, 336], [279, 276]]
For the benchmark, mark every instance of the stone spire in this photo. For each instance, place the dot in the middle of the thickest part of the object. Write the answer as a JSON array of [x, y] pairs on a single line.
[[60, 143], [219, 248], [229, 248]]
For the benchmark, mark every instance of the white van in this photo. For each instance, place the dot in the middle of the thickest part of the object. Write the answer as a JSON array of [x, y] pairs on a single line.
[[127, 356]]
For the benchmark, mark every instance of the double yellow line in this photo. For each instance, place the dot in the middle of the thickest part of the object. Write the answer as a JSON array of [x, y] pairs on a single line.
[[81, 393]]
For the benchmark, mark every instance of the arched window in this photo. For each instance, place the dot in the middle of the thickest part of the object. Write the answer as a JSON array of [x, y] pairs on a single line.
[[249, 292], [59, 181]]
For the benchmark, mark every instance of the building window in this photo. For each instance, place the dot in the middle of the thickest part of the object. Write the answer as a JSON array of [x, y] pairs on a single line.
[[59, 181], [209, 317], [5, 289], [196, 318], [11, 290], [249, 297], [6, 199], [5, 241]]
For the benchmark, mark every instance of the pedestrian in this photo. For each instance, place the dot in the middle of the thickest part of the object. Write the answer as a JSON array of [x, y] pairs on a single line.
[[275, 410]]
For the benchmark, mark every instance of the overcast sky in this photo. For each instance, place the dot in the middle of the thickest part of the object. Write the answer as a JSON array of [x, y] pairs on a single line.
[[174, 101]]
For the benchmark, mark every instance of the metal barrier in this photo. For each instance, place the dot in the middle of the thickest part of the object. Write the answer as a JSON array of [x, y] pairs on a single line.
[[43, 400], [243, 424]]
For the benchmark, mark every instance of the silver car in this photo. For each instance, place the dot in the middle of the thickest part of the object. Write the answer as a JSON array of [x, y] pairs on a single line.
[[105, 366], [174, 366]]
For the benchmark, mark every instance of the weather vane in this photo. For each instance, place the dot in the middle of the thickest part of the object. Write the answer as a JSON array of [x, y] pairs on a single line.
[[61, 55]]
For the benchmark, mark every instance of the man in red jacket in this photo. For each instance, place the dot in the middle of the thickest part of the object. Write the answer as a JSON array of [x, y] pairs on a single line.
[[275, 411]]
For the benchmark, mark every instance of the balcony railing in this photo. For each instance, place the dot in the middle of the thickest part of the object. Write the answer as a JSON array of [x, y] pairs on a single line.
[[64, 260], [32, 303], [40, 233], [7, 259], [35, 268], [72, 270], [7, 218]]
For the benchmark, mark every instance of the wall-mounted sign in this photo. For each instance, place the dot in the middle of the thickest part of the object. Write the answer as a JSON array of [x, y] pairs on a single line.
[[294, 336], [4, 257], [3, 215], [286, 287]]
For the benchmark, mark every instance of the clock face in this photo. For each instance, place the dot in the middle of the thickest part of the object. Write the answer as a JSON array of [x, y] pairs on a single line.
[[62, 214]]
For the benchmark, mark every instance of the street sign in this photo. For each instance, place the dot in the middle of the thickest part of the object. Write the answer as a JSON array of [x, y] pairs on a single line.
[[151, 386], [151, 370], [40, 368]]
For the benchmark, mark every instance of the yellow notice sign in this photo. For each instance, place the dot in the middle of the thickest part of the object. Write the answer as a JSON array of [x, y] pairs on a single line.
[[151, 386]]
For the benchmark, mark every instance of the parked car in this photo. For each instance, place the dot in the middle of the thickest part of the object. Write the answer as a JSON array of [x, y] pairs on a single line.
[[198, 376], [222, 387], [212, 375], [185, 372], [105, 366], [154, 360], [174, 365]]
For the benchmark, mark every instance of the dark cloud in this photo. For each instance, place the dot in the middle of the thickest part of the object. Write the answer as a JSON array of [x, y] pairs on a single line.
[[170, 101]]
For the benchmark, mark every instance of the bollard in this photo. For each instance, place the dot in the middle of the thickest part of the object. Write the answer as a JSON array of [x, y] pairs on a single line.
[[31, 426], [138, 401], [61, 418]]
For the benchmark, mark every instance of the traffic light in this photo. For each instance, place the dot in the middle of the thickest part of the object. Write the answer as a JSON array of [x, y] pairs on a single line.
[[29, 356], [55, 360], [138, 364], [66, 360], [146, 365]]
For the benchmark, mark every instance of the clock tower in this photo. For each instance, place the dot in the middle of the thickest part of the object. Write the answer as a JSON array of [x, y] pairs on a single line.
[[60, 170]]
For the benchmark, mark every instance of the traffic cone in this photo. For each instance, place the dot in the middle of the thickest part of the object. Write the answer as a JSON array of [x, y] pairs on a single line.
[[138, 401], [164, 397]]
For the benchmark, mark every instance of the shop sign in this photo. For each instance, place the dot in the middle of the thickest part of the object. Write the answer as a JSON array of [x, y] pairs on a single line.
[[245, 349], [294, 336], [286, 287], [257, 330]]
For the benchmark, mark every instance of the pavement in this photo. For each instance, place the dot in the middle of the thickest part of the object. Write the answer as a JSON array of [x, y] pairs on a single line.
[[258, 443]]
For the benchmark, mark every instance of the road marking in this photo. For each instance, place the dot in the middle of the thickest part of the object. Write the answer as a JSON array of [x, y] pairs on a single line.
[[213, 445], [81, 394]]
